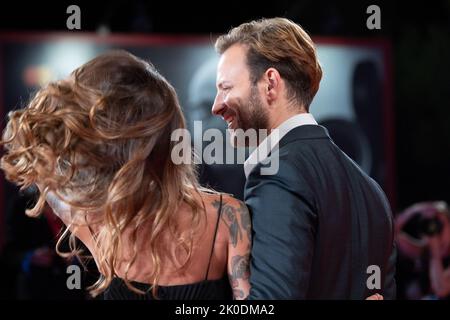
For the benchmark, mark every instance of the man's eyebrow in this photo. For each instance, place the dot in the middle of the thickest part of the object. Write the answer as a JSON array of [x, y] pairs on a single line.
[[222, 83]]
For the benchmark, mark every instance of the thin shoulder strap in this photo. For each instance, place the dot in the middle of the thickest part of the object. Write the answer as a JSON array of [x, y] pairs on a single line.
[[214, 239]]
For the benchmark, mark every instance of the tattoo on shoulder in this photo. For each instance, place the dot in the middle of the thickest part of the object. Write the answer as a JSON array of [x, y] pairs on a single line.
[[230, 217], [245, 219]]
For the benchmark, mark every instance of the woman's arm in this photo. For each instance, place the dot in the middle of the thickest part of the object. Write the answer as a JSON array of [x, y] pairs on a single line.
[[61, 209], [236, 217], [76, 223]]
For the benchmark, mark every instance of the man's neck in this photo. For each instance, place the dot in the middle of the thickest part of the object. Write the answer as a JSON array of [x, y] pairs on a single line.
[[278, 118]]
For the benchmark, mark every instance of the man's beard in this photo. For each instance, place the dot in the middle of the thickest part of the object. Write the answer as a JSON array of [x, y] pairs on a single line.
[[252, 115]]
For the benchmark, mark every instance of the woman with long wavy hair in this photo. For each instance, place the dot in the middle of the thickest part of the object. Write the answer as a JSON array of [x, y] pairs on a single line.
[[98, 146]]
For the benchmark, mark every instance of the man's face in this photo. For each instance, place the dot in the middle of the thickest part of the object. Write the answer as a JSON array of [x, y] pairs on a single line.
[[237, 100]]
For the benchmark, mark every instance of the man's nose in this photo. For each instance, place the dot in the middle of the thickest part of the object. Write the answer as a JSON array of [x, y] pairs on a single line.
[[217, 107]]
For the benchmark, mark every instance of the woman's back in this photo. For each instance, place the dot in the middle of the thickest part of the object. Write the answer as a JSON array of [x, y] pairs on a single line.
[[203, 277], [200, 279], [99, 146]]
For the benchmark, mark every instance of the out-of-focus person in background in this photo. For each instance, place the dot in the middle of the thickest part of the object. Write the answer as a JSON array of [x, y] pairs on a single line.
[[423, 238], [98, 146]]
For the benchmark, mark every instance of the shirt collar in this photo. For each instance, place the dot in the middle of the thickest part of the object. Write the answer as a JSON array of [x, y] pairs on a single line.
[[267, 145]]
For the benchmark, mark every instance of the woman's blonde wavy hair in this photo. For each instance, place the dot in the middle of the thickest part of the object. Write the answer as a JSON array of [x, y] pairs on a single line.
[[102, 137]]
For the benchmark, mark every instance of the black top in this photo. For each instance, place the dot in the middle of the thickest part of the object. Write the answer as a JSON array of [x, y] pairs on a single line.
[[321, 226], [203, 290]]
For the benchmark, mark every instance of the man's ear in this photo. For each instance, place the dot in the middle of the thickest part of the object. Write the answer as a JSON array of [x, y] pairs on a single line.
[[272, 83]]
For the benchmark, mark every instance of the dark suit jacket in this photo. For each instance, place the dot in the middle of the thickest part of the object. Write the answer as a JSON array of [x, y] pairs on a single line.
[[318, 224]]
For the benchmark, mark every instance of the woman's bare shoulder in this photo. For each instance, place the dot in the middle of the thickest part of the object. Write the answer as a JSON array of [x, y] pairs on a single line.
[[234, 214], [229, 203]]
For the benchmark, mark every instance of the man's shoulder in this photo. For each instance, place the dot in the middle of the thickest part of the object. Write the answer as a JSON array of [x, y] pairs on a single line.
[[278, 164], [290, 160], [280, 171]]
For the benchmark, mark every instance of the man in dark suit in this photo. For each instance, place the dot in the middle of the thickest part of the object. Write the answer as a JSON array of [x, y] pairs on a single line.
[[322, 228]]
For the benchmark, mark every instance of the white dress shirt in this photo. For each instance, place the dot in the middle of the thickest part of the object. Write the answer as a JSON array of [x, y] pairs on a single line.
[[272, 140]]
